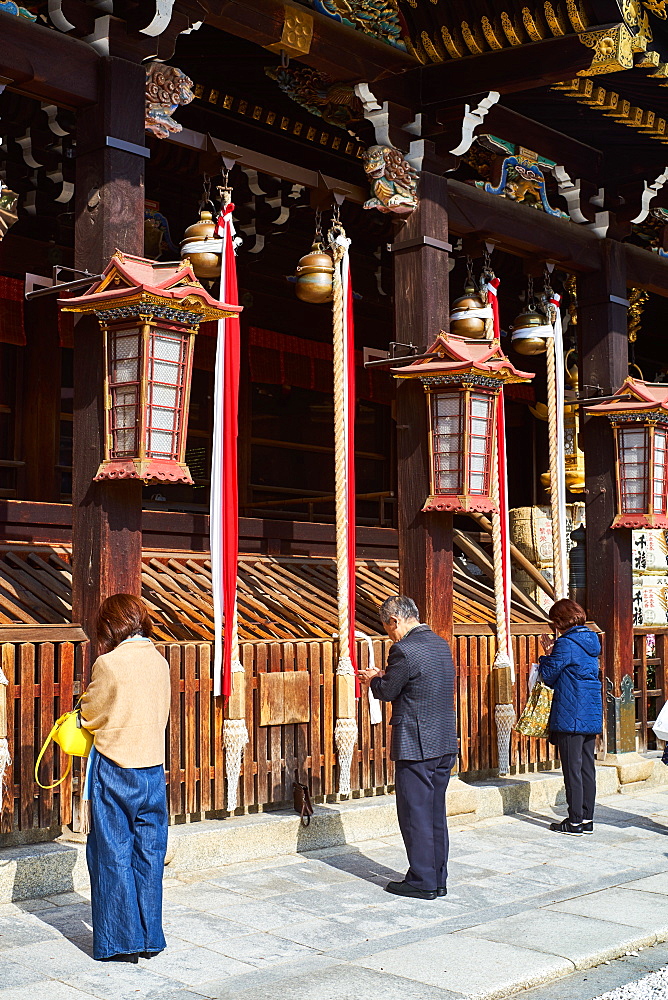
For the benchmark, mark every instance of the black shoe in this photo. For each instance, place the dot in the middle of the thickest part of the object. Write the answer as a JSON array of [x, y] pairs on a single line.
[[133, 958], [574, 829], [441, 891], [149, 954], [404, 889], [588, 826]]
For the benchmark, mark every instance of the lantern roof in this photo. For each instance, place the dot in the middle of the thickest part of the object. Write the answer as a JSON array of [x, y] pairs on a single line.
[[634, 396], [464, 356], [130, 281]]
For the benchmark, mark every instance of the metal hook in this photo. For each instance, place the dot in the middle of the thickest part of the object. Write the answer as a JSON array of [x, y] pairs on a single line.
[[285, 59]]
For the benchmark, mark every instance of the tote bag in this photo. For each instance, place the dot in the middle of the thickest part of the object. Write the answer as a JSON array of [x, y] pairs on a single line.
[[535, 719]]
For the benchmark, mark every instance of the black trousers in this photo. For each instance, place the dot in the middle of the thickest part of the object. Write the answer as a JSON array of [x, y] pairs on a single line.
[[576, 753], [420, 787]]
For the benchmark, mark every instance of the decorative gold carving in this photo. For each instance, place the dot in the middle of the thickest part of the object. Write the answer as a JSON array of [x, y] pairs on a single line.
[[649, 59], [555, 20], [646, 123], [577, 16], [430, 49], [637, 300], [613, 50], [596, 99], [532, 26], [658, 7], [297, 33], [510, 29], [492, 33], [455, 51], [473, 40]]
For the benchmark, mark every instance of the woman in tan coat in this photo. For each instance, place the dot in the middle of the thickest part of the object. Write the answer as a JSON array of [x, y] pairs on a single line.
[[126, 707]]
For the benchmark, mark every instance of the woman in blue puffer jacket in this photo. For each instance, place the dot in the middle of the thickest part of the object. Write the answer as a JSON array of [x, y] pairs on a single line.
[[570, 666]]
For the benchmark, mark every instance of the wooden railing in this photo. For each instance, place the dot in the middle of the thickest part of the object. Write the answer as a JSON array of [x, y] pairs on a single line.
[[44, 681]]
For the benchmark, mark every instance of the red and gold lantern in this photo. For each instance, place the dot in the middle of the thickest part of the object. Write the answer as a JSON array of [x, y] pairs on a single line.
[[639, 421], [462, 389], [149, 314]]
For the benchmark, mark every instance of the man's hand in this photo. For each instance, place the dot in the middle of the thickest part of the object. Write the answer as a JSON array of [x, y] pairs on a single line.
[[366, 676]]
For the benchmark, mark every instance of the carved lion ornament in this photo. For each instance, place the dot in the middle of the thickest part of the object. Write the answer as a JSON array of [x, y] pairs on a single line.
[[393, 180], [167, 88]]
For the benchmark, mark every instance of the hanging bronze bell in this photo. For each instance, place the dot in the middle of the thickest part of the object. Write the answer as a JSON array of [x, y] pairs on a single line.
[[461, 324], [530, 332], [205, 263], [314, 275]]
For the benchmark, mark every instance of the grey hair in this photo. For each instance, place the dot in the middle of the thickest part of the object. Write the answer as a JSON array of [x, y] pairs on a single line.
[[398, 607]]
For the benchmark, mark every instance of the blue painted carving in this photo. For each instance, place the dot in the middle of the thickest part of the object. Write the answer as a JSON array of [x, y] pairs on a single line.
[[522, 181], [8, 7]]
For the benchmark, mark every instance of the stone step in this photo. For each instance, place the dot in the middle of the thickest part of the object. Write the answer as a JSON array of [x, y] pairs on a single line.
[[60, 866]]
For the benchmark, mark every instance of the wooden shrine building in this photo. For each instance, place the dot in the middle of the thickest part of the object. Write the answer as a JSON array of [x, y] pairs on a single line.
[[453, 139]]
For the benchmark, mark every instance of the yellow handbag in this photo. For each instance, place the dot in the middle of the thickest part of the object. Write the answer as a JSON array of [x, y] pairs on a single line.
[[535, 719], [72, 738]]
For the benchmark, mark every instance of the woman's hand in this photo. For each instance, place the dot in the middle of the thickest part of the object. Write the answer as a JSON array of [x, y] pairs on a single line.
[[547, 642]]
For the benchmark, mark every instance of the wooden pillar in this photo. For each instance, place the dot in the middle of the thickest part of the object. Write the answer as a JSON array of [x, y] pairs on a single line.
[[602, 326], [41, 402], [106, 517], [421, 310]]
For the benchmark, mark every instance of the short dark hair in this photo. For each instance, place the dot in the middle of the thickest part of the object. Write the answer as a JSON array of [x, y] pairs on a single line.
[[566, 614], [398, 607], [119, 617]]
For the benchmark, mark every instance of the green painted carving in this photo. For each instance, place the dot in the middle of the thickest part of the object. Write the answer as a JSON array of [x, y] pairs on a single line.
[[379, 18]]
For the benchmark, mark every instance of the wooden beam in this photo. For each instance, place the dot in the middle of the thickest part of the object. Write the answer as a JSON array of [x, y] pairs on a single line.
[[47, 65], [508, 71], [521, 230], [283, 169], [340, 52], [42, 633], [646, 270]]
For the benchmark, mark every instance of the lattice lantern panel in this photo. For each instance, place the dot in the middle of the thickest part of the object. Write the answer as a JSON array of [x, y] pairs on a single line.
[[462, 435], [148, 380], [642, 471]]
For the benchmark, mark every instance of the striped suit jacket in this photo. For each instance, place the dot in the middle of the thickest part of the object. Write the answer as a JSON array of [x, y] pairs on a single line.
[[419, 681]]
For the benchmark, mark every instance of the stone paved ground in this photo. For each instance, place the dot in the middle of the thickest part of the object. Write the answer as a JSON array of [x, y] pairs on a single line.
[[525, 907]]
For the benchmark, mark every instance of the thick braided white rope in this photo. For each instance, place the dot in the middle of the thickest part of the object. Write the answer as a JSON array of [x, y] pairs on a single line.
[[345, 731], [502, 657], [344, 665], [553, 415]]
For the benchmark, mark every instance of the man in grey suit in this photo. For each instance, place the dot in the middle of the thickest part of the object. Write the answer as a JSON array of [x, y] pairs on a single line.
[[419, 681]]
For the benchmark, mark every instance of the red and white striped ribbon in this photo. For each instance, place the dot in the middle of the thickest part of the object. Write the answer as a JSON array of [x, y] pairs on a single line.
[[224, 502], [492, 298]]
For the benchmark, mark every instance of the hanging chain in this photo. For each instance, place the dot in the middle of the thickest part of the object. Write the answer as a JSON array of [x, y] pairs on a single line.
[[469, 270], [317, 236], [531, 302], [206, 192]]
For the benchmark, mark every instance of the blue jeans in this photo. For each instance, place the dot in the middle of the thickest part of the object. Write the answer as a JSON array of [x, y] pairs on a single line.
[[126, 854]]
